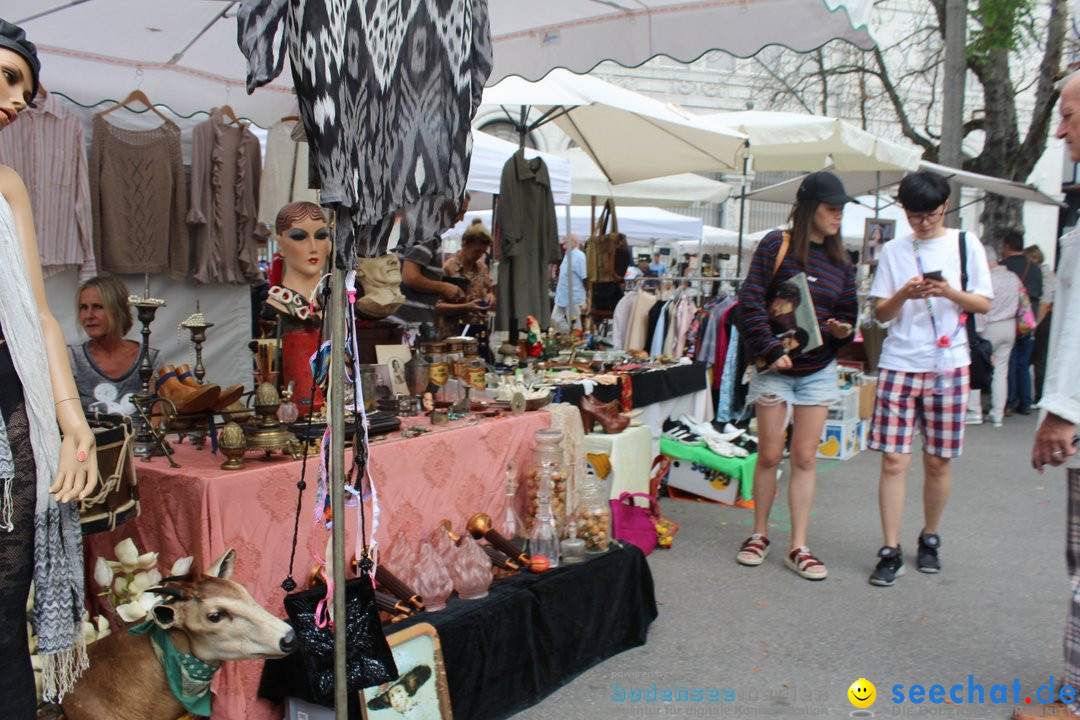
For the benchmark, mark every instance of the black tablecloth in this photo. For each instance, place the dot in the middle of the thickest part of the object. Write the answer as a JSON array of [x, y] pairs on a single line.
[[531, 635], [649, 387]]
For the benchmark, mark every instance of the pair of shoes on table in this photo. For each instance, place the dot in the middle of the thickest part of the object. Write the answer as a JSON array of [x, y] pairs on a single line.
[[607, 414], [723, 444], [891, 563], [177, 385], [680, 433], [1038, 712]]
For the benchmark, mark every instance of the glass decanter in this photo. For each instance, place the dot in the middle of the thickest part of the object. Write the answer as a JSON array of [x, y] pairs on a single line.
[[544, 540], [513, 526]]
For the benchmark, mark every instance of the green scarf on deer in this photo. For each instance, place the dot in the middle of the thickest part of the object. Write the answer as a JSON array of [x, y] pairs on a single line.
[[189, 677]]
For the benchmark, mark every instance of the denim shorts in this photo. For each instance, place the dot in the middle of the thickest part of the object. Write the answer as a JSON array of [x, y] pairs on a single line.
[[820, 388]]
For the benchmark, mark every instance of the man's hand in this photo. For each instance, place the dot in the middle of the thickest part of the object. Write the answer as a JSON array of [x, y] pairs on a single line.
[[912, 289], [1053, 442]]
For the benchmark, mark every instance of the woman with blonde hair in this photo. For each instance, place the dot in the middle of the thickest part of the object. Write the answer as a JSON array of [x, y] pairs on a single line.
[[470, 267]]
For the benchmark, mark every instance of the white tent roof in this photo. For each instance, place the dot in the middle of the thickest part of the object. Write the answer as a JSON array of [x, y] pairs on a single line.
[[490, 155], [530, 38], [630, 136], [672, 191], [641, 225], [794, 141], [858, 183]]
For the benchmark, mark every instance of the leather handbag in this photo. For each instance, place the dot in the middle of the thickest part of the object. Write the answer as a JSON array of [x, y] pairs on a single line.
[[607, 255], [380, 278], [635, 524]]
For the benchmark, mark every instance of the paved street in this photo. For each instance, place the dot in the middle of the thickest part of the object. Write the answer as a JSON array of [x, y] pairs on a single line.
[[787, 647]]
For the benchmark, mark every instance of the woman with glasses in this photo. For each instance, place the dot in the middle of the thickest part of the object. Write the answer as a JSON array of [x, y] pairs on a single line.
[[923, 371]]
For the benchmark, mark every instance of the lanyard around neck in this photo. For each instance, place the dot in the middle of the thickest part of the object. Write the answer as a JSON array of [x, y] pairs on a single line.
[[942, 341]]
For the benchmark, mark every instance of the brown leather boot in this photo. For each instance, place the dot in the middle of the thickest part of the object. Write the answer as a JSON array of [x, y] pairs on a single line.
[[227, 397], [188, 400], [607, 414]]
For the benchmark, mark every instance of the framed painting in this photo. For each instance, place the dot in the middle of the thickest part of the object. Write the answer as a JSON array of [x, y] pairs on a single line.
[[420, 691], [877, 232], [395, 357]]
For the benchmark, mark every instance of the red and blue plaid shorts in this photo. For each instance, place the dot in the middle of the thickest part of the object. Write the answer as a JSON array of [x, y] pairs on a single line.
[[906, 398]]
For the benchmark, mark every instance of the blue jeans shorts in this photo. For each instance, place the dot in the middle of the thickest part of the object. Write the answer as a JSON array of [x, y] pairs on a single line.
[[820, 388]]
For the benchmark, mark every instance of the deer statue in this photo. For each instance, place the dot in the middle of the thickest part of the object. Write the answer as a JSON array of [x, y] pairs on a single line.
[[207, 616]]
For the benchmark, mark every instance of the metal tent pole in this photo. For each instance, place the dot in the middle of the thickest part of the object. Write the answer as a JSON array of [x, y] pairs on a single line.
[[336, 400], [742, 212]]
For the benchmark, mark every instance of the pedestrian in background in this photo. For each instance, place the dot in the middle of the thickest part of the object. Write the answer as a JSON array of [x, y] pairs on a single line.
[[1012, 252], [998, 325], [1042, 318], [571, 288], [1060, 406], [923, 370]]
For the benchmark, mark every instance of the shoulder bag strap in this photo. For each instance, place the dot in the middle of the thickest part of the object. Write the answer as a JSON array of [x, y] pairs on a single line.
[[785, 243], [610, 205], [969, 324]]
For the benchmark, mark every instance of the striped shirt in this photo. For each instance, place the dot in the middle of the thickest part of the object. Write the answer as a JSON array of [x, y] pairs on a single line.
[[832, 288], [419, 307], [46, 147]]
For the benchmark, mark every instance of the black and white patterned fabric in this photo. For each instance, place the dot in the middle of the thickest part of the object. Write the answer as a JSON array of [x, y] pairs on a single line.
[[387, 91]]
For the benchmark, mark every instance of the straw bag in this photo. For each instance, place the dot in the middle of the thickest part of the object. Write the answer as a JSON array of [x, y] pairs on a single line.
[[607, 255]]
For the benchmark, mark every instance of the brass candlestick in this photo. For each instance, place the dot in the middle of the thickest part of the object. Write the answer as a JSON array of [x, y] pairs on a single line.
[[480, 526], [148, 442], [196, 324]]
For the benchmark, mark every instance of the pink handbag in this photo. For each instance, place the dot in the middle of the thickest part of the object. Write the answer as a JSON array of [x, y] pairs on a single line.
[[635, 524]]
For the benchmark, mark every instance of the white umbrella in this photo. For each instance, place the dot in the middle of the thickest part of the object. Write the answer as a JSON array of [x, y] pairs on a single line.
[[530, 38], [641, 225], [672, 191], [489, 156], [795, 141], [629, 135]]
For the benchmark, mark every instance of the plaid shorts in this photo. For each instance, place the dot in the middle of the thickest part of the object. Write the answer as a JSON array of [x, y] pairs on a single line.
[[904, 398]]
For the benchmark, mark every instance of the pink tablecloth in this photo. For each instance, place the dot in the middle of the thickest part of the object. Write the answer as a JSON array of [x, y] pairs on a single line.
[[201, 510]]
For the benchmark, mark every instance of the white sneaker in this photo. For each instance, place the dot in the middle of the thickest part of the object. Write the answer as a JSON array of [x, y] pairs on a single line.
[[974, 419]]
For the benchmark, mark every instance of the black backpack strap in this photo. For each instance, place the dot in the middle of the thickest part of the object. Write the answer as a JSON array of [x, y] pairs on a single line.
[[963, 261]]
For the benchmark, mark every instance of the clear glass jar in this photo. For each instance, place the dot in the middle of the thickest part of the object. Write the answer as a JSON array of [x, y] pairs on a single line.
[[593, 515], [547, 458]]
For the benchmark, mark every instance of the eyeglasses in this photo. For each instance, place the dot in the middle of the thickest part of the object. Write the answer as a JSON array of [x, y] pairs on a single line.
[[922, 218]]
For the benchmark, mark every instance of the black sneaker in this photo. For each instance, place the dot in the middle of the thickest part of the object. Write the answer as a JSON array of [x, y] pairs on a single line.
[[889, 567], [928, 561]]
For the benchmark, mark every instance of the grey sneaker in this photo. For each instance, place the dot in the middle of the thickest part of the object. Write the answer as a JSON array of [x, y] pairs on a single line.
[[889, 567], [928, 560]]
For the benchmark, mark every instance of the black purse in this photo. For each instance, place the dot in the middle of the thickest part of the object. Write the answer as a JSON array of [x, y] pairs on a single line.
[[981, 372], [368, 658]]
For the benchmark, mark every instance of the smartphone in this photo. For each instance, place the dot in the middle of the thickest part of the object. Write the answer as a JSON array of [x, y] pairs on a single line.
[[933, 275]]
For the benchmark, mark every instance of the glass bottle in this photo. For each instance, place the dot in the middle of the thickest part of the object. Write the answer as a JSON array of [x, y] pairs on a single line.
[[547, 458], [288, 412], [513, 525], [544, 540], [593, 515]]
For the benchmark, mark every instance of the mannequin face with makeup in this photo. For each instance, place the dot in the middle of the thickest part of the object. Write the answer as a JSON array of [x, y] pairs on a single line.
[[305, 245], [16, 84]]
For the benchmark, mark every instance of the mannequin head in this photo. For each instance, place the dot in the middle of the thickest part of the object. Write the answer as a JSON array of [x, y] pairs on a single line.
[[20, 68], [304, 241]]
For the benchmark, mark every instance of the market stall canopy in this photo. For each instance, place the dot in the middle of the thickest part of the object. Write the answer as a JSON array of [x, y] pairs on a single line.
[[858, 183], [794, 141], [641, 225], [490, 155], [630, 136], [530, 38], [673, 191]]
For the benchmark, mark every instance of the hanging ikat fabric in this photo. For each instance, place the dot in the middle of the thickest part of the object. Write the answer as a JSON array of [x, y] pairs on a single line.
[[387, 91]]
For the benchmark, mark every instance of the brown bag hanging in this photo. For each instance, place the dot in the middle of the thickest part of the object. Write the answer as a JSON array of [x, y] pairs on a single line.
[[608, 253]]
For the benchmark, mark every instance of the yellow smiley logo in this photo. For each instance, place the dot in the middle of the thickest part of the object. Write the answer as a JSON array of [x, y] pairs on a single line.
[[862, 693]]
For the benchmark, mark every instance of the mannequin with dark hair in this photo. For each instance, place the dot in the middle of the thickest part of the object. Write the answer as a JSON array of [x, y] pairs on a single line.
[[40, 474]]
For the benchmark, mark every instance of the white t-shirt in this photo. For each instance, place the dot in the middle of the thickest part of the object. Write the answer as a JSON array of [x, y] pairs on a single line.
[[911, 344]]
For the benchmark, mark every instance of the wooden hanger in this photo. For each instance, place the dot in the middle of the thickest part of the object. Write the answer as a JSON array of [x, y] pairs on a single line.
[[227, 111], [290, 118], [137, 96]]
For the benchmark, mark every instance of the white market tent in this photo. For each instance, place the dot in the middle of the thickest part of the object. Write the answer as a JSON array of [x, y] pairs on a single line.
[[530, 38], [630, 136], [641, 225], [489, 156], [680, 190]]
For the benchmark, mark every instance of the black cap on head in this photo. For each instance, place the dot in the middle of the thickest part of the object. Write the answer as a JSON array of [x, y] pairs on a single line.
[[823, 187], [13, 38]]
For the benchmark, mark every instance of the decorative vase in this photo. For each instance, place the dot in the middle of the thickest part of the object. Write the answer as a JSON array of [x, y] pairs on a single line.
[[433, 582], [470, 569], [398, 558]]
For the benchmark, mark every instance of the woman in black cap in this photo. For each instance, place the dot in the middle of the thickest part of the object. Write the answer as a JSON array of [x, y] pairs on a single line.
[[796, 386], [40, 537]]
